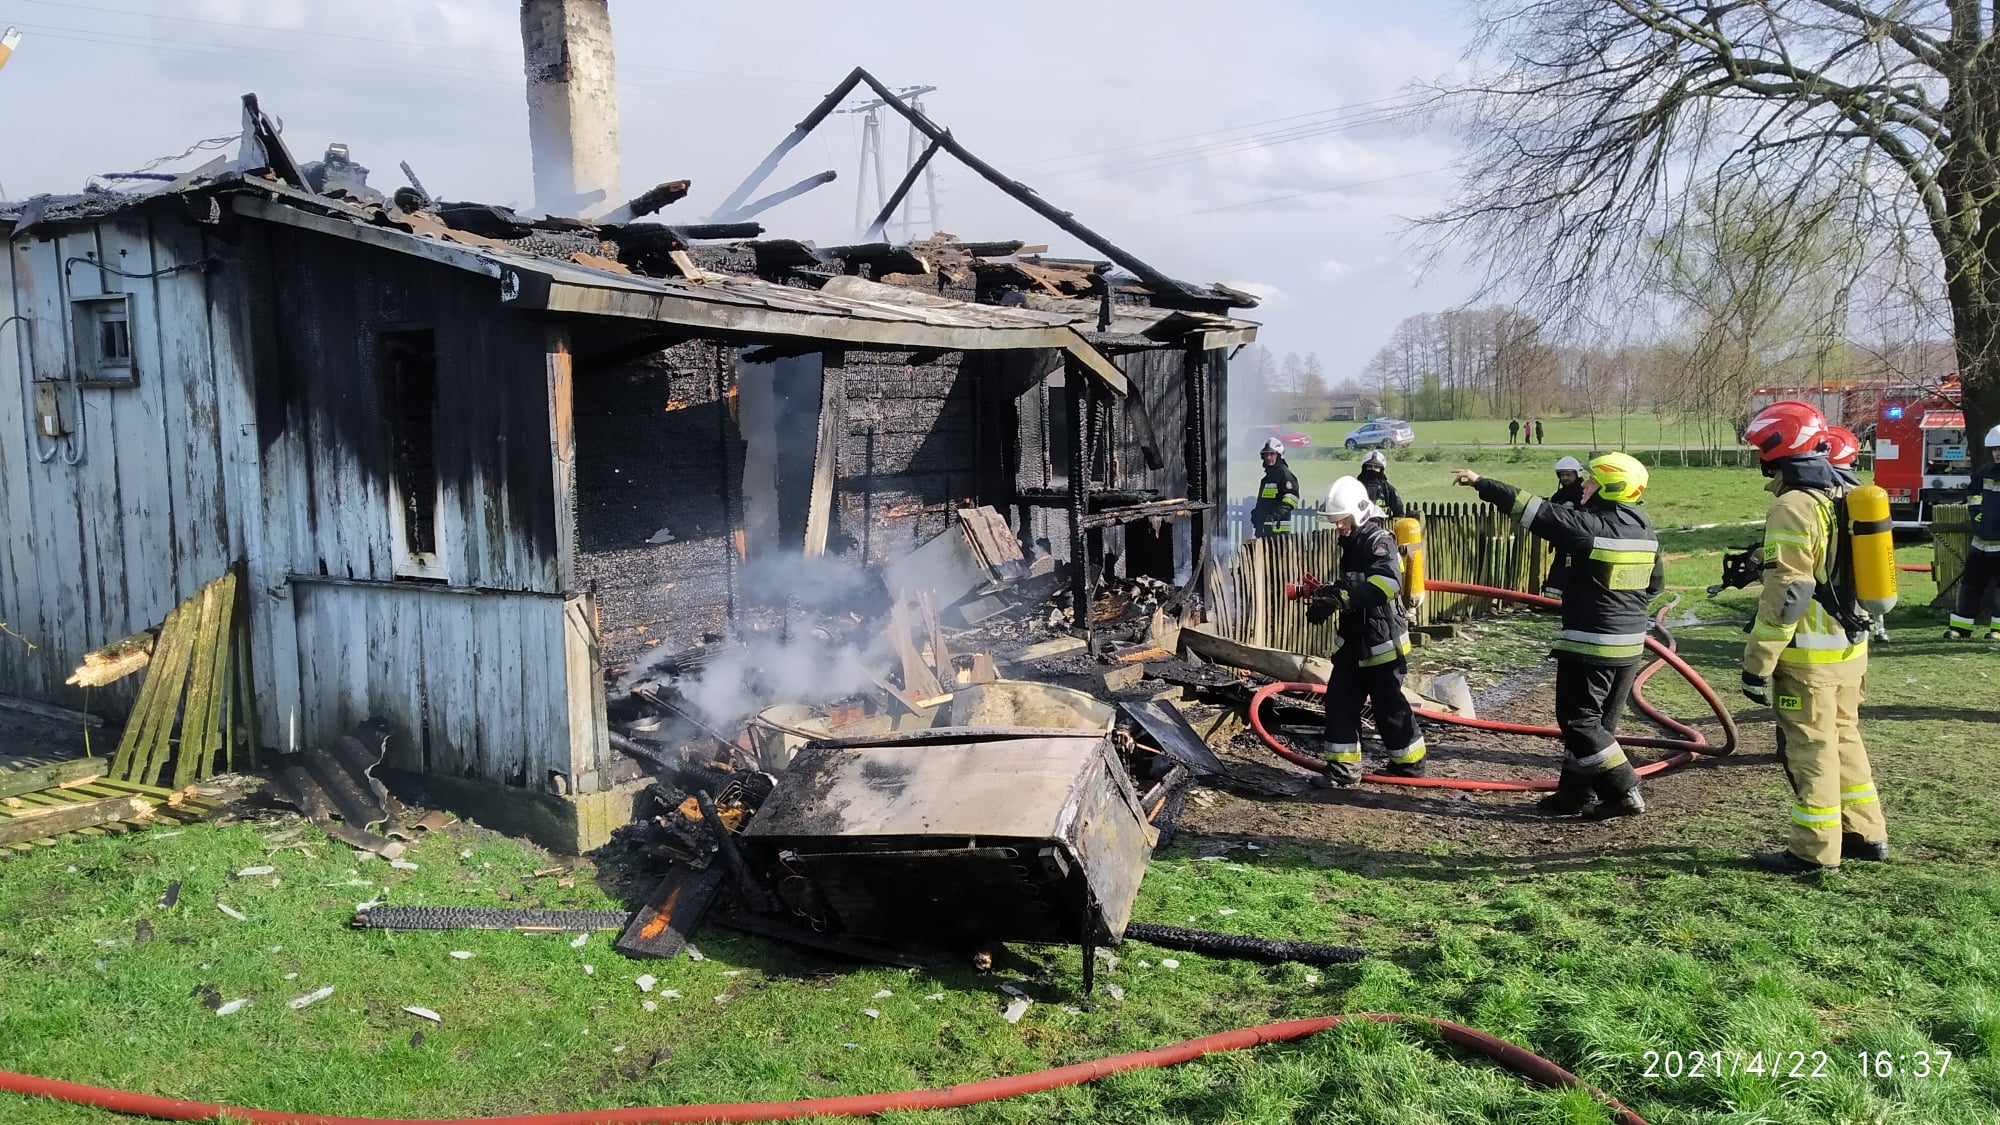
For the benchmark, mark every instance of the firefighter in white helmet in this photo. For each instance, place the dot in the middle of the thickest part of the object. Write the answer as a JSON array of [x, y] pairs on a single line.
[[1277, 493], [1979, 585], [1804, 657], [1568, 494], [1371, 649], [1374, 476]]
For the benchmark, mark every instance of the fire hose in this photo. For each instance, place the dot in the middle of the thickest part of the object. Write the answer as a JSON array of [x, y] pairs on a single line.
[[1521, 1061], [1689, 743]]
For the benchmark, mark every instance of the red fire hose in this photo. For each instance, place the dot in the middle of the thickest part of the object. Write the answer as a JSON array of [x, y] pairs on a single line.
[[1690, 742], [1517, 1059]]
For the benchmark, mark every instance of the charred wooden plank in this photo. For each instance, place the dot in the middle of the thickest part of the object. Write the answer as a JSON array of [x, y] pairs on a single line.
[[60, 775], [676, 908]]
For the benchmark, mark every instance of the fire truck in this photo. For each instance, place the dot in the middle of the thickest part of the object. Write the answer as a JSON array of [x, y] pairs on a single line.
[[1922, 458]]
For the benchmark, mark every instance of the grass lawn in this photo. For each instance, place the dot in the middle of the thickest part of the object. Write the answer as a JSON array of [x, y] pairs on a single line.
[[1633, 431], [1675, 496], [1593, 956]]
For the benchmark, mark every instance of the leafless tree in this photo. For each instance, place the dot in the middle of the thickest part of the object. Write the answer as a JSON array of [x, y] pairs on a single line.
[[1592, 125]]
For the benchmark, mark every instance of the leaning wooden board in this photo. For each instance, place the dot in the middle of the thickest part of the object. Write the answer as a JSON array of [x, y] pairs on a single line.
[[164, 814]]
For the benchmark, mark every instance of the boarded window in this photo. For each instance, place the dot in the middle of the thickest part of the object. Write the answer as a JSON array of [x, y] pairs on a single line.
[[409, 369], [103, 340]]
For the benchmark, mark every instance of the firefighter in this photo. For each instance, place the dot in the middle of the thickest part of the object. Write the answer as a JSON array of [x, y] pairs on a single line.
[[1568, 494], [1374, 477], [1979, 585], [1842, 449], [1372, 646], [1616, 570], [1804, 657], [1277, 494]]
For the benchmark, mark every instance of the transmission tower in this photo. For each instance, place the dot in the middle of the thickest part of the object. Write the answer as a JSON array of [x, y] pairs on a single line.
[[873, 174]]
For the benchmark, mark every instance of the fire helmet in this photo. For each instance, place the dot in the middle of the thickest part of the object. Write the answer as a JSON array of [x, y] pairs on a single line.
[[1842, 447], [1273, 445], [1569, 465], [1993, 438], [1375, 457], [1619, 477], [1786, 429], [1348, 497]]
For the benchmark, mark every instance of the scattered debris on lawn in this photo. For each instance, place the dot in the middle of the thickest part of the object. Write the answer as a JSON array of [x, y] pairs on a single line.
[[231, 911], [309, 998], [231, 1008], [425, 1014]]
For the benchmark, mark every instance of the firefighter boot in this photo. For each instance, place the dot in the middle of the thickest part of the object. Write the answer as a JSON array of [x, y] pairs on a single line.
[[1628, 803], [1572, 796], [1788, 863], [1343, 765], [1853, 845]]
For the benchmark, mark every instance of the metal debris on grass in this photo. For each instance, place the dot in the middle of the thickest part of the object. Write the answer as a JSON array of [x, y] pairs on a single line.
[[1169, 963], [646, 982], [231, 911], [1015, 1010], [251, 872], [231, 1008], [1115, 992], [590, 970], [424, 1013], [461, 954], [883, 994], [871, 1013], [578, 941]]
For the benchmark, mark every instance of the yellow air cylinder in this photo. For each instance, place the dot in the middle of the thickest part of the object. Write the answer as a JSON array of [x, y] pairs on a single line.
[[1410, 540], [1874, 549]]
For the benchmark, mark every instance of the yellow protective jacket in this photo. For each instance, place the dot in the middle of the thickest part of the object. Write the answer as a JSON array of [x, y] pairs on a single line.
[[1792, 628]]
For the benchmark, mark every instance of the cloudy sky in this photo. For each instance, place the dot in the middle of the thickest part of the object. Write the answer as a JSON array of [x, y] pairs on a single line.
[[1255, 143]]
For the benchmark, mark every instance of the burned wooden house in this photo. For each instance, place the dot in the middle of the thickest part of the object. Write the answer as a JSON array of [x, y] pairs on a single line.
[[467, 462]]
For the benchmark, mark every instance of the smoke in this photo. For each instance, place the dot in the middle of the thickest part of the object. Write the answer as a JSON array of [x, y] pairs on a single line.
[[815, 631]]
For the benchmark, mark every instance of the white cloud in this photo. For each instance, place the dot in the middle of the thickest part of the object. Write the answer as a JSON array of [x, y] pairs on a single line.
[[1268, 295], [1332, 269]]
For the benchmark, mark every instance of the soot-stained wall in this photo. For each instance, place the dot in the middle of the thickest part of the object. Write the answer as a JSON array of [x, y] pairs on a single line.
[[323, 409], [911, 448], [659, 492]]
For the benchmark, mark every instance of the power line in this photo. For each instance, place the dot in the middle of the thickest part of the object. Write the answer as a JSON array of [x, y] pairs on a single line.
[[1302, 194], [1174, 157], [1208, 133], [66, 5], [345, 62]]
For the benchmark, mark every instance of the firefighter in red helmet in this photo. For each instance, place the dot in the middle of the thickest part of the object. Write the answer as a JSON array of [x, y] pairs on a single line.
[[1804, 657]]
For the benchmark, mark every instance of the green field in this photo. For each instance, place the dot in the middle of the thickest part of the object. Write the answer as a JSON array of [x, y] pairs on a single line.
[[1636, 431], [1591, 957]]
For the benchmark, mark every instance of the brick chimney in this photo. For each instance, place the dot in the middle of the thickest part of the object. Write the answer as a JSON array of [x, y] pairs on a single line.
[[572, 105]]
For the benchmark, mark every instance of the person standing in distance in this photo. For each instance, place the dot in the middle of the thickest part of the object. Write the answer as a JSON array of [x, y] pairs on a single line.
[[1568, 494], [1374, 477], [1617, 570], [1277, 493]]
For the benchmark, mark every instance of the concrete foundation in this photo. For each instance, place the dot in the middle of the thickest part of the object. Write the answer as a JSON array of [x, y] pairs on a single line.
[[570, 825]]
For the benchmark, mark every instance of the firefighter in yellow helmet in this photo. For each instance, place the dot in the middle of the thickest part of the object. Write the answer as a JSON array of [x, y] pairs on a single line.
[[1807, 654], [1615, 570]]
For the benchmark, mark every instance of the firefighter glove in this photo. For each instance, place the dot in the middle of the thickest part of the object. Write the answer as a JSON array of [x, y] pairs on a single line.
[[1325, 602], [1758, 688]]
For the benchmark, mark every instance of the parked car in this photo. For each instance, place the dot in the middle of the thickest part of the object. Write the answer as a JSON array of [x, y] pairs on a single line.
[[1382, 433], [1293, 439]]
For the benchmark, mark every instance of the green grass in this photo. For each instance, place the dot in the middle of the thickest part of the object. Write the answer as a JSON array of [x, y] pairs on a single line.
[[1674, 496], [1590, 956], [1612, 432]]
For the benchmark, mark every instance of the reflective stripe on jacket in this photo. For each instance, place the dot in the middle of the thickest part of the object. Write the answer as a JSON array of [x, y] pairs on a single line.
[[1614, 569], [1792, 627], [1372, 631]]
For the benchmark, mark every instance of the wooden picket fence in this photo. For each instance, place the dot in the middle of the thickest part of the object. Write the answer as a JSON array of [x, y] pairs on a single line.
[[1470, 542], [1951, 538]]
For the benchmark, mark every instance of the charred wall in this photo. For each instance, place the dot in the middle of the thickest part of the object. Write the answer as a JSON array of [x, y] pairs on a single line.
[[658, 493], [911, 448], [325, 406]]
